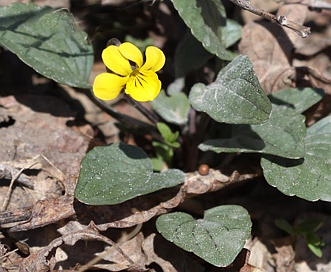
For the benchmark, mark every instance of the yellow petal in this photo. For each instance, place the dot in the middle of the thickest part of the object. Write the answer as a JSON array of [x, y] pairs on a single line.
[[155, 59], [144, 87], [131, 52], [108, 86], [115, 61]]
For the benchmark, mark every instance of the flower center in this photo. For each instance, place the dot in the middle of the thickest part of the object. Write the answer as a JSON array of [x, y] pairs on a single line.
[[135, 72]]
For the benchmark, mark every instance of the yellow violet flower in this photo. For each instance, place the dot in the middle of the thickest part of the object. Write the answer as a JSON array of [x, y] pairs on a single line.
[[129, 71]]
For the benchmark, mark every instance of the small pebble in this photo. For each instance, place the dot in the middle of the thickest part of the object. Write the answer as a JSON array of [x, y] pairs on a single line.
[[203, 169]]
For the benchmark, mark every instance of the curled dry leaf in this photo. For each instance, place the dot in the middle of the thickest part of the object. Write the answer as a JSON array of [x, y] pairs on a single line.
[[142, 209], [15, 217], [46, 212], [316, 68], [129, 213]]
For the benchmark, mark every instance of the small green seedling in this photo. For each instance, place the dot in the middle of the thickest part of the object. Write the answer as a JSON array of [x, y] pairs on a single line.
[[164, 151], [308, 230]]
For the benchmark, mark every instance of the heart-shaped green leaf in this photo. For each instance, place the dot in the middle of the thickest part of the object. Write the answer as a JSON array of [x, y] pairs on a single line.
[[299, 99], [174, 109], [217, 238], [49, 41], [118, 172], [308, 178], [235, 97], [208, 23], [282, 135]]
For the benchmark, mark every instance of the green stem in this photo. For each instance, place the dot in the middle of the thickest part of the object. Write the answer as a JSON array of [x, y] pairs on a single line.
[[125, 119], [147, 113]]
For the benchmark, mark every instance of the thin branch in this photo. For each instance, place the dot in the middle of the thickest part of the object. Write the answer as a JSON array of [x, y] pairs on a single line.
[[282, 20], [10, 188]]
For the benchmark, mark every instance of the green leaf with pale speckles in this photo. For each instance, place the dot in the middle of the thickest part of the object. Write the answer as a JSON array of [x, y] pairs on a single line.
[[235, 97], [173, 108], [217, 238], [208, 23], [308, 178], [299, 99], [282, 135], [118, 172], [49, 41]]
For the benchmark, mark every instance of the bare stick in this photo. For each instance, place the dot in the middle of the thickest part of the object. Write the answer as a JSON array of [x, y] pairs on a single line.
[[101, 256], [10, 188], [282, 20]]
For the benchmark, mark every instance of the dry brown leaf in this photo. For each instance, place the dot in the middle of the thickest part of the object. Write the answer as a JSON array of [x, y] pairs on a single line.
[[43, 260], [143, 208], [35, 125], [131, 248], [8, 172], [285, 255], [268, 6], [123, 255], [38, 130], [46, 212], [270, 48], [129, 213], [260, 256], [316, 43], [273, 51]]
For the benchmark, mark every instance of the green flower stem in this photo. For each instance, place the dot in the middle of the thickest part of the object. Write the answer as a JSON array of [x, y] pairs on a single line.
[[125, 119], [147, 113]]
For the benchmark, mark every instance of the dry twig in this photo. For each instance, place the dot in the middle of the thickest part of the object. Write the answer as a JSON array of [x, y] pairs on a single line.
[[282, 20], [13, 179]]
